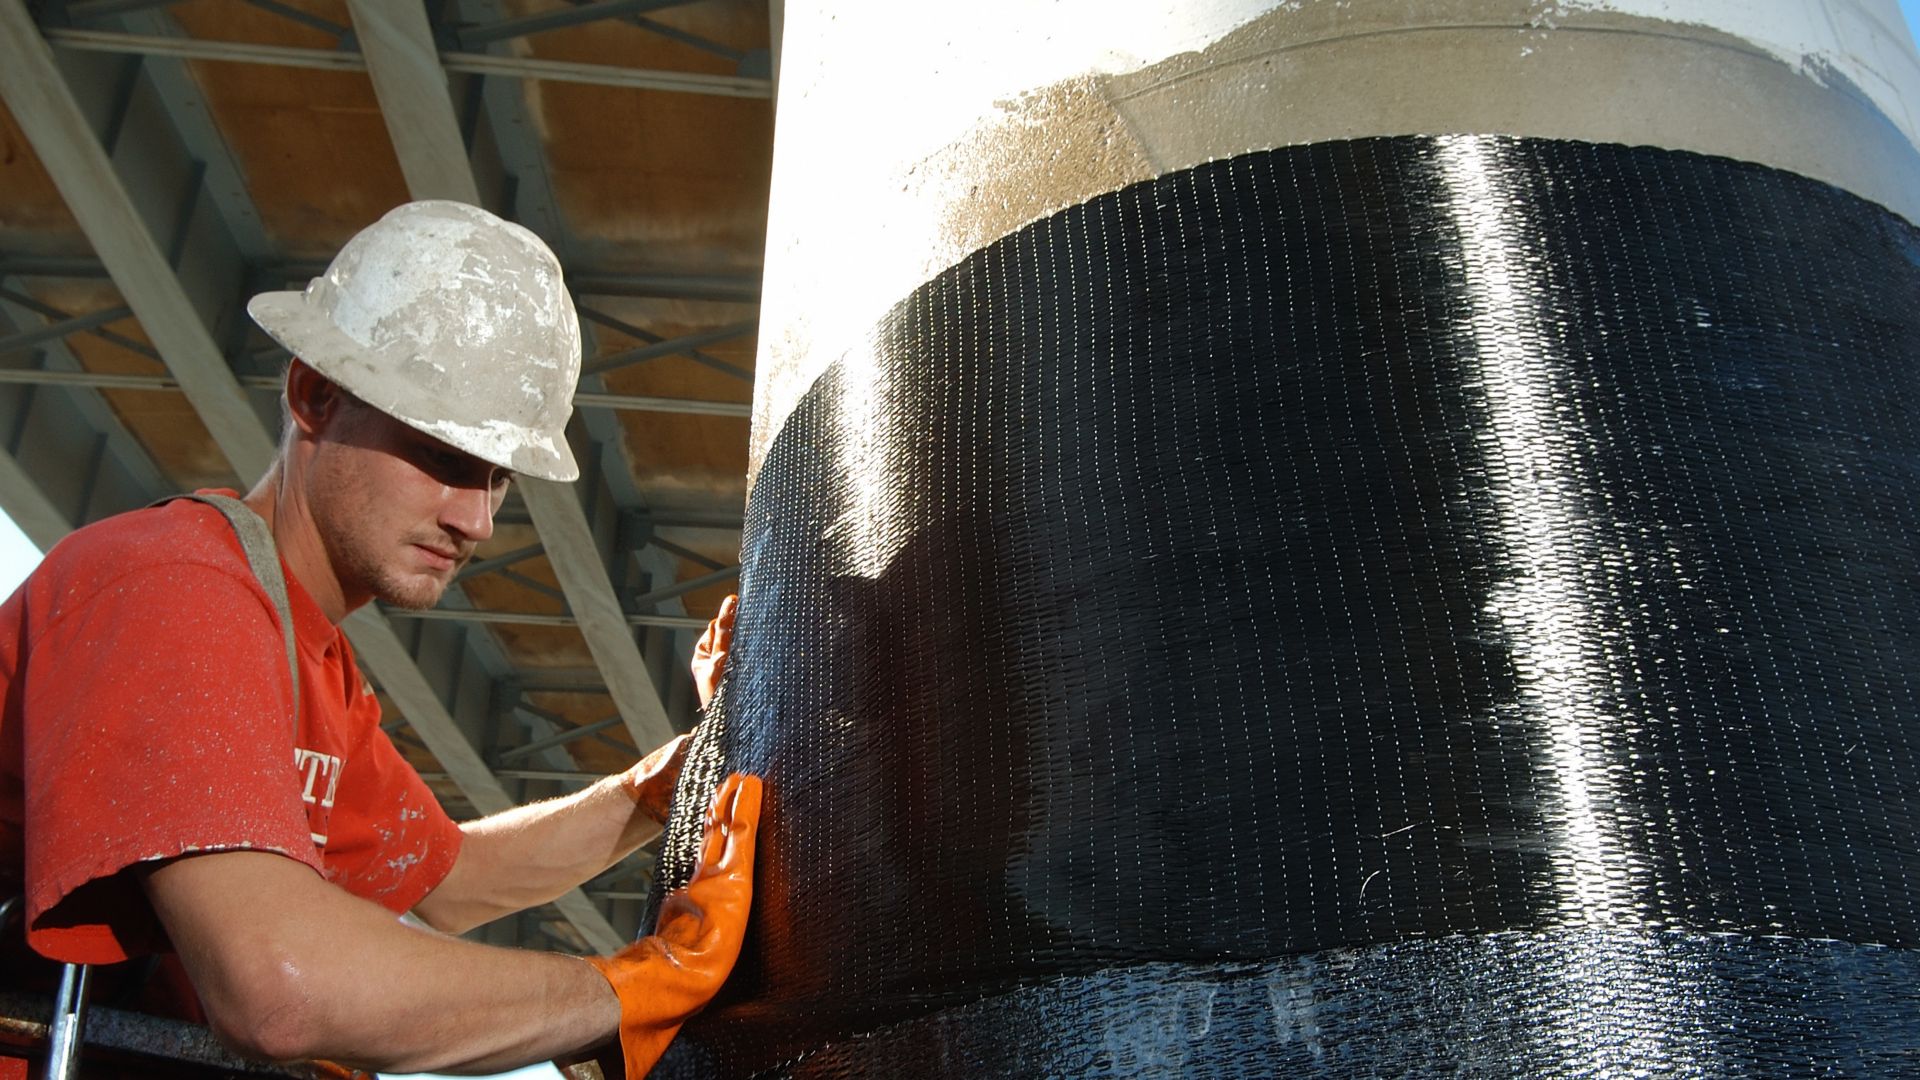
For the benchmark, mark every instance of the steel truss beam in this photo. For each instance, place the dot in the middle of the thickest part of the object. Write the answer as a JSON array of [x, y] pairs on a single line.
[[518, 67], [505, 29]]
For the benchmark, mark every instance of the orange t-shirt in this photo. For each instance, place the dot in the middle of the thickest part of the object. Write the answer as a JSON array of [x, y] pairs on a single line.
[[146, 716]]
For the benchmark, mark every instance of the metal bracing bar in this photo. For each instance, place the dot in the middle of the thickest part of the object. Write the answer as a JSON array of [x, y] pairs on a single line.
[[682, 588], [52, 266], [556, 681], [48, 311], [291, 14], [21, 413], [190, 193], [100, 380], [565, 776], [595, 315], [185, 48], [729, 520], [71, 325], [117, 381], [688, 554], [561, 723], [634, 403], [126, 83], [674, 33], [540, 587], [82, 10], [381, 649], [43, 106], [776, 35], [473, 36], [518, 67], [489, 565], [95, 461], [548, 715], [561, 739], [726, 520], [528, 618], [583, 280], [670, 347], [526, 67], [744, 288], [575, 557]]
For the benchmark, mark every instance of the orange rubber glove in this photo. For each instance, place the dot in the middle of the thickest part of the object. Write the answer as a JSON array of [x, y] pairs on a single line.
[[710, 654], [666, 977]]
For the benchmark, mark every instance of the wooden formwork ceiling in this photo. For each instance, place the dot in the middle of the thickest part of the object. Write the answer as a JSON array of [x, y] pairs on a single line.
[[248, 138]]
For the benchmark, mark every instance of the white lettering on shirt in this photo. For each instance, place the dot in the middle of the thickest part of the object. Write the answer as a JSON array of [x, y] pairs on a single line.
[[316, 767]]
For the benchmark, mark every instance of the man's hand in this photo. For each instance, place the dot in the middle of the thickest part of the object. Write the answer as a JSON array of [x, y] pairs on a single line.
[[710, 655], [650, 782], [665, 978]]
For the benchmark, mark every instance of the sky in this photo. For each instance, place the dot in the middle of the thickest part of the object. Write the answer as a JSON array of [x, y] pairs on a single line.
[[18, 556]]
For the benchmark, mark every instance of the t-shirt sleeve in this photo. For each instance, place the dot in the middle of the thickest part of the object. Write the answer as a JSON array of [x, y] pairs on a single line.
[[159, 724], [391, 841]]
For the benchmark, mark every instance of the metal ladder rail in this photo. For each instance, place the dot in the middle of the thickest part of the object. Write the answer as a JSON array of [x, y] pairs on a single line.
[[69, 1009]]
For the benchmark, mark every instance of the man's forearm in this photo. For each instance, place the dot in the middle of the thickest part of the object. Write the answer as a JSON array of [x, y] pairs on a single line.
[[530, 854], [290, 967]]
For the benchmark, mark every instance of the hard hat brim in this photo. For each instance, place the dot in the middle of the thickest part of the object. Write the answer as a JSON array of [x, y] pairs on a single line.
[[310, 335]]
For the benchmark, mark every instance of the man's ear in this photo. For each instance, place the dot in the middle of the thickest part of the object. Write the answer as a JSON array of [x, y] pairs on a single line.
[[312, 399]]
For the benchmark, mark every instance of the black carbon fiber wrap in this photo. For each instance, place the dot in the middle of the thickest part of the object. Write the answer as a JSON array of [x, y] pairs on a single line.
[[1401, 606]]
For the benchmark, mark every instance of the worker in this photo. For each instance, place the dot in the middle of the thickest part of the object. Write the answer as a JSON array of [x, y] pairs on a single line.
[[157, 788]]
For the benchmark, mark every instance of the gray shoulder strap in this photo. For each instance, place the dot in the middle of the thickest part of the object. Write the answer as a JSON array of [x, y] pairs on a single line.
[[256, 540]]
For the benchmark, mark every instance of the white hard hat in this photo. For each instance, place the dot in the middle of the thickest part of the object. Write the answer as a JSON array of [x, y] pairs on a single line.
[[453, 322]]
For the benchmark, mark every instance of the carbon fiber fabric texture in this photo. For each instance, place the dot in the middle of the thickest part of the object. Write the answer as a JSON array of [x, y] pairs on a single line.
[[1449, 605]]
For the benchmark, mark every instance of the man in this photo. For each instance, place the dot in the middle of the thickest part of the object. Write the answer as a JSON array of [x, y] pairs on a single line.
[[158, 787]]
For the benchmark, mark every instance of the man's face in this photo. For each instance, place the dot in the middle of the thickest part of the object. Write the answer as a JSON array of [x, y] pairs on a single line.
[[399, 511]]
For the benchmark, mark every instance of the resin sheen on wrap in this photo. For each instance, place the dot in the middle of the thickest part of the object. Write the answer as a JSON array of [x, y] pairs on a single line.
[[1382, 605]]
